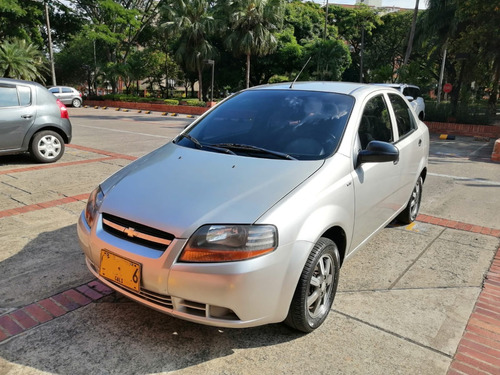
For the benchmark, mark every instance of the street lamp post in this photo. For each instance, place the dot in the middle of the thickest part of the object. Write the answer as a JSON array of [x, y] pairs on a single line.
[[211, 62]]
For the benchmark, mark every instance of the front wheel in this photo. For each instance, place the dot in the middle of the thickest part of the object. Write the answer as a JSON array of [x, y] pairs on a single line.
[[316, 289], [47, 146], [410, 213]]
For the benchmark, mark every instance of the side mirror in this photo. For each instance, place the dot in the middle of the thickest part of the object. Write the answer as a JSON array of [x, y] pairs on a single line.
[[410, 98], [378, 152]]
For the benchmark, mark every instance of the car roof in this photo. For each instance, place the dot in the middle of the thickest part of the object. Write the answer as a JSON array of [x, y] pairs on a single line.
[[19, 81], [347, 88]]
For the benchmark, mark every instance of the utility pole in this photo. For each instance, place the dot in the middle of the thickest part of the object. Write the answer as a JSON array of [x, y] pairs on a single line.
[[51, 52]]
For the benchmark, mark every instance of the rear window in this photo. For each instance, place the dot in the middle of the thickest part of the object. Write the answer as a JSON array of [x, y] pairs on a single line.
[[404, 118], [303, 124], [24, 95]]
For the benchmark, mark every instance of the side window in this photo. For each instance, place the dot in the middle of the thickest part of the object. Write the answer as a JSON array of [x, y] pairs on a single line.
[[375, 122], [54, 90], [8, 96], [66, 90], [24, 95], [404, 118]]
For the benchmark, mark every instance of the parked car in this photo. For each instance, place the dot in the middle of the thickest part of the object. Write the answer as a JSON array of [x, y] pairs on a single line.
[[246, 217], [67, 95], [32, 120], [414, 96]]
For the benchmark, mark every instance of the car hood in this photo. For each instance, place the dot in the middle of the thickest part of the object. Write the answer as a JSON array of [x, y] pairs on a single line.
[[178, 189]]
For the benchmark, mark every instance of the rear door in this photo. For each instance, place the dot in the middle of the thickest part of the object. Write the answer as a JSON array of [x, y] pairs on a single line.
[[410, 142], [67, 95], [17, 114], [376, 185]]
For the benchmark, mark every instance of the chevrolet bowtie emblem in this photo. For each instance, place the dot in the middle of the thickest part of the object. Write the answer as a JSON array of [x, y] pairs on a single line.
[[130, 232]]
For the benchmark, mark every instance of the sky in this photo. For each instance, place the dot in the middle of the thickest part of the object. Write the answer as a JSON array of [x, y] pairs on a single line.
[[410, 4]]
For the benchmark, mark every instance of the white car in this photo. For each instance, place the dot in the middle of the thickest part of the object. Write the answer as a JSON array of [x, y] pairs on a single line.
[[413, 94], [246, 217]]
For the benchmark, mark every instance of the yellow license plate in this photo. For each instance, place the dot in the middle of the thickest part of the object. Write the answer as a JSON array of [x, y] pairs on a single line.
[[120, 270]]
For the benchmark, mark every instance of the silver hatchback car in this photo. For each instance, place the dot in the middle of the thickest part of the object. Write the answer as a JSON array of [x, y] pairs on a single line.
[[246, 217], [67, 95]]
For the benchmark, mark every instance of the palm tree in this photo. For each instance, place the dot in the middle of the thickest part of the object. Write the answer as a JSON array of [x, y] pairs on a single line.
[[195, 24], [21, 60], [252, 23]]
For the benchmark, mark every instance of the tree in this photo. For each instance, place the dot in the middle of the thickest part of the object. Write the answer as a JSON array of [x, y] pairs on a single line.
[[22, 19], [251, 27], [22, 60], [331, 57], [354, 25], [116, 26], [195, 23], [385, 47], [306, 19], [480, 43]]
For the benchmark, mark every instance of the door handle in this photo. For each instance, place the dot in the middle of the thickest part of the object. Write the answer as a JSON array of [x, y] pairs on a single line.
[[419, 142], [27, 116]]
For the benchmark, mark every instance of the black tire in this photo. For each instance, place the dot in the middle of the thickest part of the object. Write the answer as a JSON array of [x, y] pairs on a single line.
[[77, 103], [47, 146], [410, 213], [324, 260]]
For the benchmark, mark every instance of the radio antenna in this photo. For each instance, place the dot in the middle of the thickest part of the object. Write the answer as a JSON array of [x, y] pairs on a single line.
[[295, 80]]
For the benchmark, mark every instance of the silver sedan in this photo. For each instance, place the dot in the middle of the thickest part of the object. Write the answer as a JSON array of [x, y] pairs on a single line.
[[246, 217]]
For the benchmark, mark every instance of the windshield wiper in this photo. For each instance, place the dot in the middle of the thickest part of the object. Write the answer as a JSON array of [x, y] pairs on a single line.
[[192, 139], [200, 146], [237, 146]]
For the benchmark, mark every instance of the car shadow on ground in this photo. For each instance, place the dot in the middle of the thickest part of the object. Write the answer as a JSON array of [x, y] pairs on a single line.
[[117, 336], [17, 159], [113, 335]]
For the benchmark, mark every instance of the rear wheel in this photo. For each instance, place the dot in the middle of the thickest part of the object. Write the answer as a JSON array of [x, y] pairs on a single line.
[[410, 213], [77, 103], [47, 146], [316, 289]]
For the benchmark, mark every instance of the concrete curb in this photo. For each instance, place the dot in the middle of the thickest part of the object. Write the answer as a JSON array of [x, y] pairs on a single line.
[[43, 311]]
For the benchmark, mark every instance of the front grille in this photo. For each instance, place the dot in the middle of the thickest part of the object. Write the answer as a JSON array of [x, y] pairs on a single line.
[[136, 232]]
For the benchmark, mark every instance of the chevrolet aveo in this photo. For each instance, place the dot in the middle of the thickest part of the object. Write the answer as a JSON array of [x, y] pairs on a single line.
[[246, 217]]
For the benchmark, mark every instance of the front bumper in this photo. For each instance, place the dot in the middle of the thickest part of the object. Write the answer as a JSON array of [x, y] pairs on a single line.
[[234, 294]]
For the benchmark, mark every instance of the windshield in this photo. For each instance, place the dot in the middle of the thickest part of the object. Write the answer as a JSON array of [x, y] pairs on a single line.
[[287, 124]]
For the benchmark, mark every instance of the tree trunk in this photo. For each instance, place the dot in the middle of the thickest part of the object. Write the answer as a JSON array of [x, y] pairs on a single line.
[[412, 34], [248, 71]]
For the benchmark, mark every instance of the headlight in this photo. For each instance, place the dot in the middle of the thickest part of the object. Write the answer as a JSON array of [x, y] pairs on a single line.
[[226, 243], [93, 205]]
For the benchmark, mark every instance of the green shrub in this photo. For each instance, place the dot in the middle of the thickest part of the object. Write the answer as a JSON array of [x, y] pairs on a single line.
[[277, 79], [476, 113], [171, 102], [195, 102]]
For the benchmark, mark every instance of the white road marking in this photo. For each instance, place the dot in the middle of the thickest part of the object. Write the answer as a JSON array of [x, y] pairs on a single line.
[[124, 131], [467, 179]]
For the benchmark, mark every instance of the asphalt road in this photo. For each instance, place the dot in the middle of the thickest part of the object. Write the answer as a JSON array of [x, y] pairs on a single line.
[[402, 305]]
